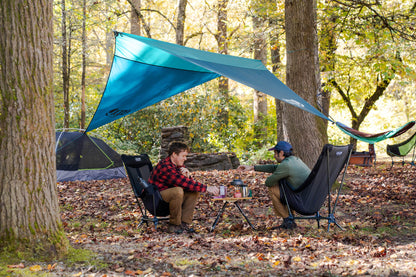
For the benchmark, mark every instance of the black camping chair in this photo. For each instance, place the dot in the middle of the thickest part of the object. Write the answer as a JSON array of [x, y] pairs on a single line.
[[308, 199], [148, 196], [402, 149]]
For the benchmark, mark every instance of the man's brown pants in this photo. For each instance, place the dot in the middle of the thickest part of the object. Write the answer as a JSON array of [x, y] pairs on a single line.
[[279, 209], [181, 204]]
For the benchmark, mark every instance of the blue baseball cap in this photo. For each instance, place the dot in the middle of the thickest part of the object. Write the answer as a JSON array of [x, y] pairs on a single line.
[[282, 145]]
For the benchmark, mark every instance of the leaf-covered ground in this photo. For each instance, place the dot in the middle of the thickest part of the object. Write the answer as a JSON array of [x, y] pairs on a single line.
[[376, 208]]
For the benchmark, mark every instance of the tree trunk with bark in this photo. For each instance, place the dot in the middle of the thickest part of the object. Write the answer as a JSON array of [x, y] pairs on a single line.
[[260, 53], [222, 41], [281, 133], [134, 17], [109, 38], [84, 62], [180, 23], [29, 209], [307, 132], [65, 65], [328, 47], [136, 9]]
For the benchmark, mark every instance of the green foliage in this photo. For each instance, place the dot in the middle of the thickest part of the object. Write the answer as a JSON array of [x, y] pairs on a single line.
[[199, 110], [372, 48], [358, 48], [21, 272], [74, 257], [83, 256], [8, 255]]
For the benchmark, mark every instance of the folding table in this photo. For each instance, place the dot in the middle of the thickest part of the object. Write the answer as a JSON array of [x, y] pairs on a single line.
[[233, 200]]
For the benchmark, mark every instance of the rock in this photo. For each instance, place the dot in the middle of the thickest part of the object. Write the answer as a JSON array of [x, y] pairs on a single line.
[[211, 161], [169, 134], [196, 161]]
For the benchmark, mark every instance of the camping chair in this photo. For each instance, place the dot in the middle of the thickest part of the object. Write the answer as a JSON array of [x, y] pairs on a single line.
[[148, 196], [308, 199], [402, 149]]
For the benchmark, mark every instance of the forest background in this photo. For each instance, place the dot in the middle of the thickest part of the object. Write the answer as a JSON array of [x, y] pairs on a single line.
[[366, 58], [366, 55]]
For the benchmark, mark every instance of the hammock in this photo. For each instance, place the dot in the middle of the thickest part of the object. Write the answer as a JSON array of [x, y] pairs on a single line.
[[373, 138]]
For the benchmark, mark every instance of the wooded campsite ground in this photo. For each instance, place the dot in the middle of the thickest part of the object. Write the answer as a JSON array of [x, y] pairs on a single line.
[[376, 208]]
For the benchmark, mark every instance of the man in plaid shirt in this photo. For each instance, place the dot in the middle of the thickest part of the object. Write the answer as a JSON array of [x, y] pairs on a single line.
[[177, 187]]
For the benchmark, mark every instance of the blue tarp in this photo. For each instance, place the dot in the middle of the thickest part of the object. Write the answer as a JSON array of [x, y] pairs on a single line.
[[146, 71]]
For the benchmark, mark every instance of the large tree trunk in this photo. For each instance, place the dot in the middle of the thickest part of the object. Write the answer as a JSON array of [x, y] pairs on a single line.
[[306, 132], [29, 210], [222, 41]]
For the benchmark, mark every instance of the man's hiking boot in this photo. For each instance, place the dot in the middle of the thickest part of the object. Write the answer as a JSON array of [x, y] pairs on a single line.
[[177, 229], [187, 228], [288, 224]]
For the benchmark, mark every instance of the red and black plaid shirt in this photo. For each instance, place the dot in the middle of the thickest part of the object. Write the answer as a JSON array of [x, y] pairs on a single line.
[[167, 175]]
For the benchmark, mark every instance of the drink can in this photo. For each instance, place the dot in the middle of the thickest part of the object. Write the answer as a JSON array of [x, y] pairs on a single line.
[[223, 191]]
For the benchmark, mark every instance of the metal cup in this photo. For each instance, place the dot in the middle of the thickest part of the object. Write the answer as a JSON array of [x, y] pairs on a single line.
[[244, 191]]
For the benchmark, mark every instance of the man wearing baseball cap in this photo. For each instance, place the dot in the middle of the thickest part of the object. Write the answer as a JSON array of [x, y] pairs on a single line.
[[291, 169]]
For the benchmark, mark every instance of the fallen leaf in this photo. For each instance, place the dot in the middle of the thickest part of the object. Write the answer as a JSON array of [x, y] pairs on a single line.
[[297, 259], [120, 269], [180, 267], [35, 268], [21, 265], [130, 272], [51, 267], [147, 271]]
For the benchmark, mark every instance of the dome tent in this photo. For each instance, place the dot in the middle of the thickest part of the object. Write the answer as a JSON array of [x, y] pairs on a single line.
[[83, 157]]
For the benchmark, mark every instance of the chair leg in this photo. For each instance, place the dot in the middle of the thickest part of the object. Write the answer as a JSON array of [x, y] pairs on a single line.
[[282, 190], [318, 216], [291, 216], [143, 220], [331, 219]]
